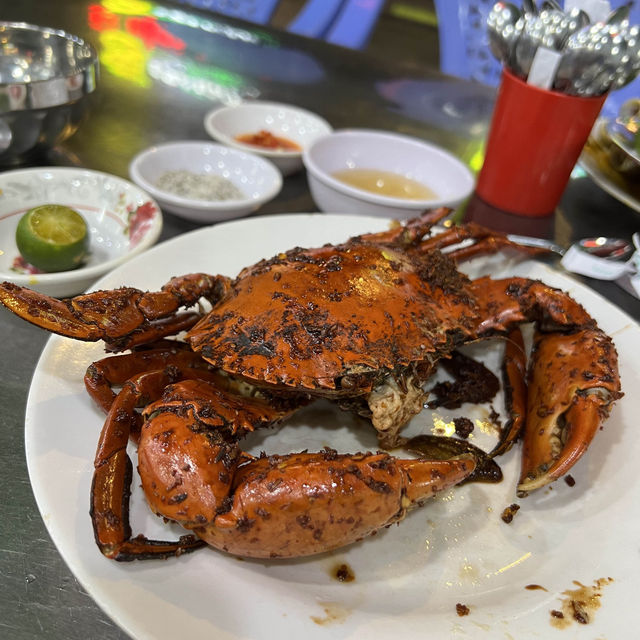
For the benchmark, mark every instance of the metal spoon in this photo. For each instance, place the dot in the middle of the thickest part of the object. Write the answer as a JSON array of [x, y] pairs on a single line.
[[578, 19], [601, 258], [614, 51], [549, 29], [529, 241], [610, 248], [580, 16], [533, 35], [573, 59], [501, 23], [590, 60], [558, 27], [616, 249]]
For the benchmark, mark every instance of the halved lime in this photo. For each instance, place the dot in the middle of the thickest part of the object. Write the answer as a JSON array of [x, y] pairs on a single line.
[[52, 237]]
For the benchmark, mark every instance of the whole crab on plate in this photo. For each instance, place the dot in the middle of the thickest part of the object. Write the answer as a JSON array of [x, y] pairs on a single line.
[[364, 324]]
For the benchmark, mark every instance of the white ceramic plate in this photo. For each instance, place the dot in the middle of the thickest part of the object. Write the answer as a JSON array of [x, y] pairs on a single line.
[[408, 578], [122, 219]]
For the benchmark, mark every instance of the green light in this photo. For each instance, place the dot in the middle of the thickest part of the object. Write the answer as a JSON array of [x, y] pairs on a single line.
[[477, 159], [215, 74], [413, 14]]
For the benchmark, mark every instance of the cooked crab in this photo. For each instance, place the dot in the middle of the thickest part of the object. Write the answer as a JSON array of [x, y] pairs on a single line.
[[363, 323]]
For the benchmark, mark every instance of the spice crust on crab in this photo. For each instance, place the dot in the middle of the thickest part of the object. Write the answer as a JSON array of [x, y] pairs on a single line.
[[340, 322]]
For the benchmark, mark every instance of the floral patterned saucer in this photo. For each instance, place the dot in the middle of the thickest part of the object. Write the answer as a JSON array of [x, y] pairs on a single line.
[[123, 221]]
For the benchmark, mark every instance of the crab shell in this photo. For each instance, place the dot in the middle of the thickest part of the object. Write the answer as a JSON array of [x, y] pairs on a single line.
[[337, 319]]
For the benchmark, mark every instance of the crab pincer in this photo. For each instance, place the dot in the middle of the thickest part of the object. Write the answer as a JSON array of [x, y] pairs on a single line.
[[573, 376], [572, 389]]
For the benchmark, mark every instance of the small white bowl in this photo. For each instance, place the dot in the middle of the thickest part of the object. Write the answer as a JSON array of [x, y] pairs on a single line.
[[122, 220], [258, 179], [449, 178], [298, 125]]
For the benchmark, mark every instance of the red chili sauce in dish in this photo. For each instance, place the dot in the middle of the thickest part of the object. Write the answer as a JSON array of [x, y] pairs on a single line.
[[266, 140]]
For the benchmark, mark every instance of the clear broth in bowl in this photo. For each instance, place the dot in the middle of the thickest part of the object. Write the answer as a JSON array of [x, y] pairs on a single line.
[[385, 183]]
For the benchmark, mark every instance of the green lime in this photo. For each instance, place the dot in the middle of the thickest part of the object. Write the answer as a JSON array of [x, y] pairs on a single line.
[[52, 237]]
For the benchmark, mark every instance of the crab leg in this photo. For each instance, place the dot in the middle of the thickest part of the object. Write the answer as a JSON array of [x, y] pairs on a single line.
[[110, 488], [409, 233], [573, 375], [272, 506], [491, 245], [513, 301], [122, 317], [103, 375], [486, 241]]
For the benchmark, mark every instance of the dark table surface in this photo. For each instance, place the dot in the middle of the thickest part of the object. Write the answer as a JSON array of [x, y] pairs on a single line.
[[38, 595]]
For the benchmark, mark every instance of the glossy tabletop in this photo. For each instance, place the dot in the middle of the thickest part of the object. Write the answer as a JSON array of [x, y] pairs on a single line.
[[161, 71]]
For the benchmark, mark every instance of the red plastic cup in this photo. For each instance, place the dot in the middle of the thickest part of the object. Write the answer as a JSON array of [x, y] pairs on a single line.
[[535, 140]]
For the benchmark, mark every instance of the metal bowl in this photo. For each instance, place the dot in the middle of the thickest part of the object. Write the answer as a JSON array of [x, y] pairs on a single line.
[[46, 78]]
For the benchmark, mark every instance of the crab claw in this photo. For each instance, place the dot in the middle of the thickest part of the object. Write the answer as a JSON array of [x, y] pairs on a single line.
[[193, 472], [573, 383], [307, 503]]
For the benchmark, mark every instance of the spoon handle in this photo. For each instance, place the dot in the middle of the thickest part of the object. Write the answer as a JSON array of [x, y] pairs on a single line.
[[529, 241], [551, 5]]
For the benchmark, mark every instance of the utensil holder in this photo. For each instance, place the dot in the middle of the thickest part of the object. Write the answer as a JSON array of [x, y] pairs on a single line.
[[535, 139]]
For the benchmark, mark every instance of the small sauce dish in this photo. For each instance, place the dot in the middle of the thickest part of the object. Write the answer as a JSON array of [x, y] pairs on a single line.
[[446, 180], [255, 181], [296, 125]]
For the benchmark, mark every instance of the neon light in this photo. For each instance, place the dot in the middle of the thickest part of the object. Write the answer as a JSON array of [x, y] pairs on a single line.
[[100, 19], [124, 56], [130, 30], [128, 7], [152, 34], [203, 81], [211, 26]]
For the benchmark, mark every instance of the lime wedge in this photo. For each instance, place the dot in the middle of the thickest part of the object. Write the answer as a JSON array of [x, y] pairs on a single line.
[[52, 237]]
